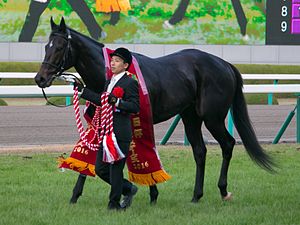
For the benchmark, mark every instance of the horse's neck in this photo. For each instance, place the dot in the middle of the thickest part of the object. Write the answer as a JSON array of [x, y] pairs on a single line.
[[89, 62]]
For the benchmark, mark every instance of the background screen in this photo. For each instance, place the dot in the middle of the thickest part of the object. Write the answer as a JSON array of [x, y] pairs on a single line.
[[243, 22]]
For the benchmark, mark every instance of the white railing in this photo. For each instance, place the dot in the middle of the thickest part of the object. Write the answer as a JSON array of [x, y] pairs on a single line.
[[32, 91], [28, 91]]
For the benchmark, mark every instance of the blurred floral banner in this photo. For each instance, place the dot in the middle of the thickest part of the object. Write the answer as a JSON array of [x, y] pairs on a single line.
[[138, 21]]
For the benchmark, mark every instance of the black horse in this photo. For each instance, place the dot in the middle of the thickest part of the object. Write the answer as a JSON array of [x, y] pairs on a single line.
[[199, 86]]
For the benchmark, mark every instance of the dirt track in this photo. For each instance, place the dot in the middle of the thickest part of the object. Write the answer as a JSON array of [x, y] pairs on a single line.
[[41, 128]]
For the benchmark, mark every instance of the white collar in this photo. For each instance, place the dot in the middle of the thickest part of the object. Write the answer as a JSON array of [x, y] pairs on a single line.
[[114, 80], [117, 77]]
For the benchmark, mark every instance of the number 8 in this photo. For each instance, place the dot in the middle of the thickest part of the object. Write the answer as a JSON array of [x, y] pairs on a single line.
[[284, 11]]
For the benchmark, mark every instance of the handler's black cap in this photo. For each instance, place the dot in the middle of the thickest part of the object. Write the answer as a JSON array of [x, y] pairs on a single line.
[[123, 53]]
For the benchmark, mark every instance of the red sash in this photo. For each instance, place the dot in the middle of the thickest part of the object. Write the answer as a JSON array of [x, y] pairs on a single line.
[[82, 159]]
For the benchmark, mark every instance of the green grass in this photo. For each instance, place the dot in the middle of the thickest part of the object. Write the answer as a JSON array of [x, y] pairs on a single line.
[[266, 68], [34, 191], [2, 102], [19, 66]]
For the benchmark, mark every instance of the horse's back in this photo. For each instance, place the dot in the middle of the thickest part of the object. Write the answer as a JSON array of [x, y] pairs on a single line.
[[188, 77], [189, 61]]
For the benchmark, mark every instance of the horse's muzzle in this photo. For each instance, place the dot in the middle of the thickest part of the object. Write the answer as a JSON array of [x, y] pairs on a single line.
[[41, 81]]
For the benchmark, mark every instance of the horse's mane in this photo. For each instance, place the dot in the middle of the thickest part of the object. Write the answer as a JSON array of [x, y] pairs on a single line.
[[101, 45], [93, 41]]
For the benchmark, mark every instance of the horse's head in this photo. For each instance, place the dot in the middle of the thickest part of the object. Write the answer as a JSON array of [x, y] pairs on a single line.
[[58, 56]]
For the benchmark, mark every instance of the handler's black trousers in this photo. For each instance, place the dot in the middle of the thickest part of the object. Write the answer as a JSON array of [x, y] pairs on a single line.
[[113, 175]]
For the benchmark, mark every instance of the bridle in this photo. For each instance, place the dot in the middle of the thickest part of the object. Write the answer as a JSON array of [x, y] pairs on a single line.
[[61, 67], [61, 75]]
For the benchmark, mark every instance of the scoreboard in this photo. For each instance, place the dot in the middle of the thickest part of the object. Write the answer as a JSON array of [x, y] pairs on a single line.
[[283, 22]]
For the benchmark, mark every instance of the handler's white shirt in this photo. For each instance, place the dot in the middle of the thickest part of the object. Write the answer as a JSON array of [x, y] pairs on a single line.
[[114, 80]]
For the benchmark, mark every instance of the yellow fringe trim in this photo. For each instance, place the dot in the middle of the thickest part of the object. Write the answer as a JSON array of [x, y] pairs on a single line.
[[76, 164], [150, 178], [142, 179]]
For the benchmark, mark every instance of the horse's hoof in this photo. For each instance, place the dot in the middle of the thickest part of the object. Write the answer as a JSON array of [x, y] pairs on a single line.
[[228, 197], [153, 194], [153, 201], [73, 200], [197, 197], [195, 200]]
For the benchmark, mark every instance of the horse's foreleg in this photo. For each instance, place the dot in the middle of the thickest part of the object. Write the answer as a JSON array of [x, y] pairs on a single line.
[[192, 125], [77, 190], [227, 142], [153, 194]]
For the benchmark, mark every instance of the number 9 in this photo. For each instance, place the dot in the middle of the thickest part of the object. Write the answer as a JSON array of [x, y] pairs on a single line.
[[283, 26]]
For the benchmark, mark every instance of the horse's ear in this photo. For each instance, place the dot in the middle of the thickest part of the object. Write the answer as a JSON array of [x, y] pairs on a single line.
[[53, 25], [62, 24]]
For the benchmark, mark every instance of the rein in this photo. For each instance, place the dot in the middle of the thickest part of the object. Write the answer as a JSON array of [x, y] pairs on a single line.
[[67, 77]]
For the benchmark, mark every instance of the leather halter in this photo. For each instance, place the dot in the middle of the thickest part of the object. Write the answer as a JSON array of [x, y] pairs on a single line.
[[61, 67]]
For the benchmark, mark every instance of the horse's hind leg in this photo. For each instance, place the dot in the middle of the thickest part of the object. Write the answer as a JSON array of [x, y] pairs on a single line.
[[153, 194], [227, 142], [77, 190], [192, 124]]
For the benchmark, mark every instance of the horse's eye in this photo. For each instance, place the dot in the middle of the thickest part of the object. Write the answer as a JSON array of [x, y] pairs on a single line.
[[59, 48]]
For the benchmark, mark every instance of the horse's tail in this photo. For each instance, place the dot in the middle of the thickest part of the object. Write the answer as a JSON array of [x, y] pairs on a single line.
[[244, 127]]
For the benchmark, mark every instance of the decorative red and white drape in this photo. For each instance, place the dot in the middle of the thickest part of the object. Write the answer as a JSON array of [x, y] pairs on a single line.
[[103, 125]]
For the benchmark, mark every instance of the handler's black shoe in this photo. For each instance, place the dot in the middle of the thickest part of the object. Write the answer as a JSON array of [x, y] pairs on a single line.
[[127, 200], [115, 207]]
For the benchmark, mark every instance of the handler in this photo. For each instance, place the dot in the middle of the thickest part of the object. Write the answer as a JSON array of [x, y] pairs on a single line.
[[125, 103]]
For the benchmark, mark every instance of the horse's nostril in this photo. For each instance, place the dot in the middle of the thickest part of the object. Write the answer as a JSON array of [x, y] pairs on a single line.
[[39, 79], [42, 79]]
